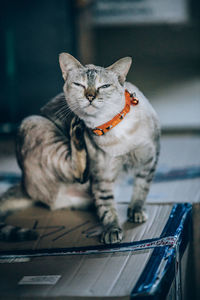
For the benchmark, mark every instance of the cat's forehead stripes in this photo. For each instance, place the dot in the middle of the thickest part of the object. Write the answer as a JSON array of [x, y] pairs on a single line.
[[91, 77]]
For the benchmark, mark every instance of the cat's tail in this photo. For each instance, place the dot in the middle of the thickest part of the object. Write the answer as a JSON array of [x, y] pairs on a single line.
[[12, 200]]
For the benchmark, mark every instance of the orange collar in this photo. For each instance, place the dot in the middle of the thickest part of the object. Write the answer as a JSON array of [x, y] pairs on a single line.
[[130, 100]]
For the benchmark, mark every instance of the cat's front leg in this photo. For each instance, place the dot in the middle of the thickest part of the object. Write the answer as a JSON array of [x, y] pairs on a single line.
[[106, 211], [102, 189], [136, 210], [79, 155], [143, 176]]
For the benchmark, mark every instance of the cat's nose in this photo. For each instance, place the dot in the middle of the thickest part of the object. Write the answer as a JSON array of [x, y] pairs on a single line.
[[90, 97], [90, 94]]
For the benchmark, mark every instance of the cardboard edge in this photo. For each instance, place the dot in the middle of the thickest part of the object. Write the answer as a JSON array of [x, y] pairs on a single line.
[[148, 285]]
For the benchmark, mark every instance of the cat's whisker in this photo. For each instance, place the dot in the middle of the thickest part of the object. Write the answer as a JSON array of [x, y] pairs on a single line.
[[63, 104], [60, 110], [64, 113], [60, 114]]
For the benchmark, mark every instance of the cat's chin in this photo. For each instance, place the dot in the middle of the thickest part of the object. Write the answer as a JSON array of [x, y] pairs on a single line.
[[90, 110]]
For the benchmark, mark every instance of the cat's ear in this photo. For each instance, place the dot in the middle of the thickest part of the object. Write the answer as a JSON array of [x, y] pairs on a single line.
[[121, 68], [67, 63]]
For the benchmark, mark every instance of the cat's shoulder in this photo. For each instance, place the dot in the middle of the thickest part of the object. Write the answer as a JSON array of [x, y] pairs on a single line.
[[58, 112], [144, 104]]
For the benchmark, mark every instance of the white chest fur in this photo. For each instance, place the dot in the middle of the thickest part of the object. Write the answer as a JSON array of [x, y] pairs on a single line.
[[134, 132], [121, 139]]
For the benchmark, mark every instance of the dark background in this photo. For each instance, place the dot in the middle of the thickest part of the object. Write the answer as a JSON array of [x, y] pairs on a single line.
[[33, 33]]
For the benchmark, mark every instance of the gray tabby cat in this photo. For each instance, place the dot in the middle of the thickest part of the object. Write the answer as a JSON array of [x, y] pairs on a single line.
[[64, 164]]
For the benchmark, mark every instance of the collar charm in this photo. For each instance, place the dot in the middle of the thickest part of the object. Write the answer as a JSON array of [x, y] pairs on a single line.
[[130, 99]]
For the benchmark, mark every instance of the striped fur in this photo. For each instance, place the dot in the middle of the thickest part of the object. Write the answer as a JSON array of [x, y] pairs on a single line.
[[65, 165], [14, 199], [16, 234]]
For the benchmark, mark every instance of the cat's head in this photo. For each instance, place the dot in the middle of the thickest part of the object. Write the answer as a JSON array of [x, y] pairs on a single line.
[[94, 93]]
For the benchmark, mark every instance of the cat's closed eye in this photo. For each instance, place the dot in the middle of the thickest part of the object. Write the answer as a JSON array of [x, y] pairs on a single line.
[[104, 86], [79, 84]]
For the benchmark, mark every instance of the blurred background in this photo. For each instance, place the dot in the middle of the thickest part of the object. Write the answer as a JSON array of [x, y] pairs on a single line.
[[162, 36]]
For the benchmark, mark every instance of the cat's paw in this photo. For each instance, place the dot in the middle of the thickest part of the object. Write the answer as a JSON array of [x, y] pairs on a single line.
[[77, 133], [112, 235], [137, 215]]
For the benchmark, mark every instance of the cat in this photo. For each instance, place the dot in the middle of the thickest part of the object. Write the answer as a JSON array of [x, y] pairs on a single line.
[[68, 160]]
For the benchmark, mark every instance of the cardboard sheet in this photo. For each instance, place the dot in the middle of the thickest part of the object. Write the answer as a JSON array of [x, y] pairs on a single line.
[[67, 228]]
